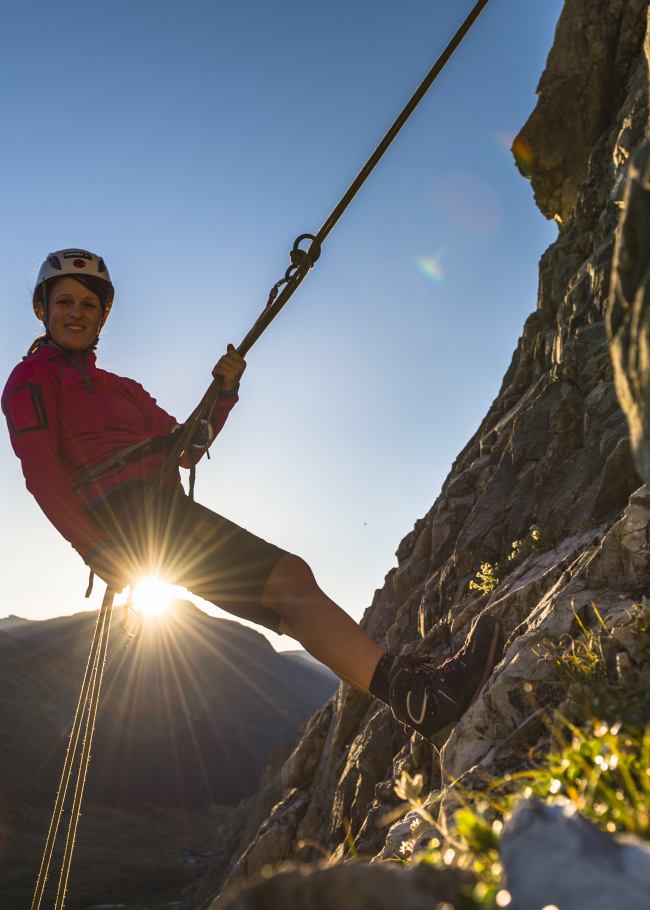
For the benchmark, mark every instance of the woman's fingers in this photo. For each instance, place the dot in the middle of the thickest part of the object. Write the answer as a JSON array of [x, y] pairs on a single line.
[[230, 367]]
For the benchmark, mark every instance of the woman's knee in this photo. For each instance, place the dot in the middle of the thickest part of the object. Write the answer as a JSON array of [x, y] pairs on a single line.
[[290, 574], [294, 568]]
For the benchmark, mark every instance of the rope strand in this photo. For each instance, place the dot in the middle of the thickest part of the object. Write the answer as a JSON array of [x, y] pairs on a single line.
[[82, 771], [71, 751]]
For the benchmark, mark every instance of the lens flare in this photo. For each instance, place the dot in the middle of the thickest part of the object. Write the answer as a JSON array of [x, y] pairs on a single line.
[[519, 147], [153, 597], [524, 155], [431, 267]]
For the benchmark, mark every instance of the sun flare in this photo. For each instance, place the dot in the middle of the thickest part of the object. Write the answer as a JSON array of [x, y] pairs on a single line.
[[152, 597]]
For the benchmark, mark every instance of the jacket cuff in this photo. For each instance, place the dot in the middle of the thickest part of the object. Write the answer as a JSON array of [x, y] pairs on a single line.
[[229, 393]]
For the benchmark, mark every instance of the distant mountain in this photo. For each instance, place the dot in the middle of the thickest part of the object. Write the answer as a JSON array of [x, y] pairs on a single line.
[[188, 718], [305, 658], [11, 621], [189, 713]]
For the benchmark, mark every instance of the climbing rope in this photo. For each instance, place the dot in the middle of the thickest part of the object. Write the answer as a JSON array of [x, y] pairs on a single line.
[[302, 261], [86, 706], [82, 771]]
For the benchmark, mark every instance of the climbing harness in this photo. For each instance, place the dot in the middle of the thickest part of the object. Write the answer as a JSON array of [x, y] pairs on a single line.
[[302, 258], [127, 455]]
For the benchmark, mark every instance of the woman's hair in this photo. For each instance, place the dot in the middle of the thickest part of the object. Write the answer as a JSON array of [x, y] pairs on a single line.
[[46, 338], [36, 343], [96, 285]]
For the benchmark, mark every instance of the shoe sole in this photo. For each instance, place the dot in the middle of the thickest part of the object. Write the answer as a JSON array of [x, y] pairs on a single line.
[[496, 648]]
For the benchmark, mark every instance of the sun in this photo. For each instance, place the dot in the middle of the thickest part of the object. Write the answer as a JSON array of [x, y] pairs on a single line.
[[152, 597]]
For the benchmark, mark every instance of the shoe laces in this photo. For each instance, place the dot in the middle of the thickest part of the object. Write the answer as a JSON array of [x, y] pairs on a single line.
[[425, 664], [417, 662]]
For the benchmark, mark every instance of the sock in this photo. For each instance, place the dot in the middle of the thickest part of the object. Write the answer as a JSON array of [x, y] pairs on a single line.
[[379, 682]]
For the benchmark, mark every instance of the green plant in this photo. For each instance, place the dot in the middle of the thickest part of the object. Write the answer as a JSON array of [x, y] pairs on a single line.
[[487, 578], [536, 541], [588, 670], [470, 844], [490, 575], [602, 770]]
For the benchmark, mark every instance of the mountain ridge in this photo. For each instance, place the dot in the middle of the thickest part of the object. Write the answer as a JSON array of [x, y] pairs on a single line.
[[200, 651]]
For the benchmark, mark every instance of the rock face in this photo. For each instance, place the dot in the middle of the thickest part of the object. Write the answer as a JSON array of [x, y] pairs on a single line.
[[552, 452], [585, 84], [629, 312]]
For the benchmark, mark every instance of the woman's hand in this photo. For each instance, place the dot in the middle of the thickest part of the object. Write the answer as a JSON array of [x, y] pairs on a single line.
[[230, 367]]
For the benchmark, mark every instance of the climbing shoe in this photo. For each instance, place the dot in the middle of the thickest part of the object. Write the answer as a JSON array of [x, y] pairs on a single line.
[[429, 698]]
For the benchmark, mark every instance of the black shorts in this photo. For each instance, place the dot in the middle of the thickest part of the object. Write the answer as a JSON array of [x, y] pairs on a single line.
[[186, 544]]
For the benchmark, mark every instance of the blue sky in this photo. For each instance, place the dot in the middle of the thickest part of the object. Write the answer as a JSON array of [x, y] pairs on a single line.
[[189, 145]]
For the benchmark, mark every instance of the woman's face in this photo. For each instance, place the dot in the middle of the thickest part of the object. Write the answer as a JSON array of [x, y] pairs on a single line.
[[74, 312]]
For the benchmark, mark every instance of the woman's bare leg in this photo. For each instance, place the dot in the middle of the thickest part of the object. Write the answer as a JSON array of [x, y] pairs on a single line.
[[321, 627]]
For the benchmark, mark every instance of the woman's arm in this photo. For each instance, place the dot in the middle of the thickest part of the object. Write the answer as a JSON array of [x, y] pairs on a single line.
[[29, 404], [158, 422]]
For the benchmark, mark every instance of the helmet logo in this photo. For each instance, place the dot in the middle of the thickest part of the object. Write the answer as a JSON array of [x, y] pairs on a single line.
[[77, 254], [79, 263]]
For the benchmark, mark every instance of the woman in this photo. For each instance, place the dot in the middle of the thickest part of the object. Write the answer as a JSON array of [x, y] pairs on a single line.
[[79, 433]]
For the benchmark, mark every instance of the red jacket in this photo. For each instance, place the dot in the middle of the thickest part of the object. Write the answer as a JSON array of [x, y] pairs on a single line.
[[64, 414]]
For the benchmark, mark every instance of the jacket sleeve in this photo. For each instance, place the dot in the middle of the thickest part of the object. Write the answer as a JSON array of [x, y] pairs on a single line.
[[158, 421], [29, 405], [223, 407]]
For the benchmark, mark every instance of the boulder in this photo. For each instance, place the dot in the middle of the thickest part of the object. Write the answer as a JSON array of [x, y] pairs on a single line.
[[554, 857], [352, 886]]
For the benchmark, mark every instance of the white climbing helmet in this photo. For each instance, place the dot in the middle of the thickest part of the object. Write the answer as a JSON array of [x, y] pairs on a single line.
[[89, 268]]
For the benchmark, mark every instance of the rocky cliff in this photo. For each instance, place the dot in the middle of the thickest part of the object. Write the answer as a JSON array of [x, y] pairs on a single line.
[[544, 503]]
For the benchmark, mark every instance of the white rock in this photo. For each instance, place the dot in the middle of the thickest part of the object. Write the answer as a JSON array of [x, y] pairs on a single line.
[[554, 856]]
